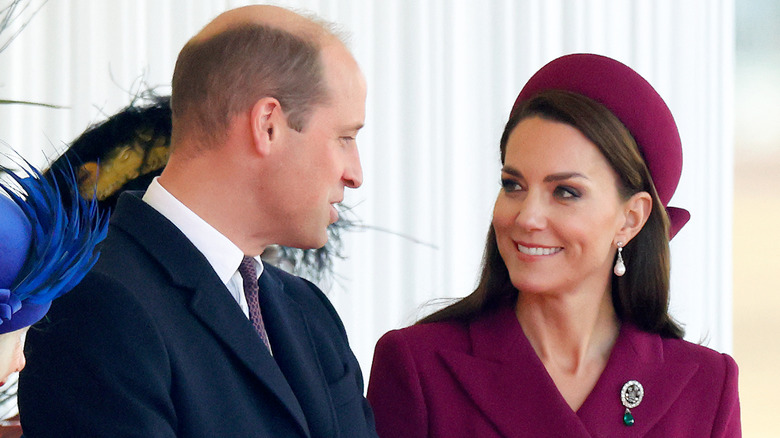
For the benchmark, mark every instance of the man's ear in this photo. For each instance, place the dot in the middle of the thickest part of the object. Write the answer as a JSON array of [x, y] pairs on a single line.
[[636, 211], [266, 119]]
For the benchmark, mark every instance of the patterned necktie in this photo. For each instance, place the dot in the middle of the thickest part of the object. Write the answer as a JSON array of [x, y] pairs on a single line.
[[251, 290]]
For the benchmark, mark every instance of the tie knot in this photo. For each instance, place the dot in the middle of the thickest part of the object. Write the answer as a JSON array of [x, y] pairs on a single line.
[[247, 269]]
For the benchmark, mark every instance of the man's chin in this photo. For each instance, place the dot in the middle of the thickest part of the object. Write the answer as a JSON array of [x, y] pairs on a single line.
[[314, 243]]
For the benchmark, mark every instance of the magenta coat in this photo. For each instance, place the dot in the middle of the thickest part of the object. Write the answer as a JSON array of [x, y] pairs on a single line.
[[484, 379]]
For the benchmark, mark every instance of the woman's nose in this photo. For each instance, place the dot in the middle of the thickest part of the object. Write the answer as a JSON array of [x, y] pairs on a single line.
[[19, 360], [532, 214]]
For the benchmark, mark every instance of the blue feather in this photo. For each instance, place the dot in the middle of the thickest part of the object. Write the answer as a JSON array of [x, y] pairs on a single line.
[[63, 239]]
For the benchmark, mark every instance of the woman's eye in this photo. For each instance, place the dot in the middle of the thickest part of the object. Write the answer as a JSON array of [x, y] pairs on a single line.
[[567, 192], [510, 186]]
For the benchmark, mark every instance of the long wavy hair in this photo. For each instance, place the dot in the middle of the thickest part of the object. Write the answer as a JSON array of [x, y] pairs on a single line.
[[641, 296]]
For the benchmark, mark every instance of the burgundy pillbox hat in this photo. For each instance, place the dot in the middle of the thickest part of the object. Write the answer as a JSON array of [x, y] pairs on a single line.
[[632, 100]]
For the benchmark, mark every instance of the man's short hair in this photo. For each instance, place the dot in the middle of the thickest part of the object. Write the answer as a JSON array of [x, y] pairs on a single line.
[[224, 75]]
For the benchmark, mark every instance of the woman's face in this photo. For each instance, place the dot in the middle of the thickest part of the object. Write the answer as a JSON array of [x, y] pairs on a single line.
[[11, 353], [558, 213]]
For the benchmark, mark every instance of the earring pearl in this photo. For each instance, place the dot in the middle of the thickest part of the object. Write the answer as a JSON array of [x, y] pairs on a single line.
[[620, 267]]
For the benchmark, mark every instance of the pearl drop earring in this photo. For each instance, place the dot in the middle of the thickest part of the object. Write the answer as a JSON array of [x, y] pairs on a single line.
[[620, 267]]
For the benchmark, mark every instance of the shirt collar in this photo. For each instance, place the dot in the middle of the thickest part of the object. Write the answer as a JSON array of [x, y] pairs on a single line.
[[222, 254]]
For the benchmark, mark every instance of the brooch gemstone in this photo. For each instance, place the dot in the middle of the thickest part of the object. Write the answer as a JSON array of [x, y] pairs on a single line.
[[628, 419]]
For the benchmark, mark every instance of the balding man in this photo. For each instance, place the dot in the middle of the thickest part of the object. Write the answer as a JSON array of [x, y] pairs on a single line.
[[170, 335]]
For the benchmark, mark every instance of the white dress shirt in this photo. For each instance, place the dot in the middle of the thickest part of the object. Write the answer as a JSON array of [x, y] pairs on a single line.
[[222, 254]]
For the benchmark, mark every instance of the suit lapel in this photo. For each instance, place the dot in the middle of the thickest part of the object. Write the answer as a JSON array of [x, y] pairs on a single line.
[[224, 319], [294, 351], [210, 301], [636, 356], [508, 383]]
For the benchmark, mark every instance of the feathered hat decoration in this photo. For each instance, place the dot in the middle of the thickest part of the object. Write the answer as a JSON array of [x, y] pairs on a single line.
[[46, 248]]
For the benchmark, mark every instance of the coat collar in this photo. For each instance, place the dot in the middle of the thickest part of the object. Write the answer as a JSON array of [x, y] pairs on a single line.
[[164, 243], [511, 387], [639, 356], [210, 301]]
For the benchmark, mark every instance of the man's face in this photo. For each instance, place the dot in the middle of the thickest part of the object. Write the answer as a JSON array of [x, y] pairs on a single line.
[[323, 158]]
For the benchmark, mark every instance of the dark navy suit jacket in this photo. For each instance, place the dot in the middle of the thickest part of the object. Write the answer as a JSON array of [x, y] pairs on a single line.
[[451, 380], [151, 344]]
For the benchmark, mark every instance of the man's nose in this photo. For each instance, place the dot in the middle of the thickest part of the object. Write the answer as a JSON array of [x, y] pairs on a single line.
[[353, 172]]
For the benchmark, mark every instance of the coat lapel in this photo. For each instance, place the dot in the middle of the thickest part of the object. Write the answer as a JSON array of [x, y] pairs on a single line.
[[227, 323], [210, 301], [508, 383], [636, 356], [510, 386], [291, 341]]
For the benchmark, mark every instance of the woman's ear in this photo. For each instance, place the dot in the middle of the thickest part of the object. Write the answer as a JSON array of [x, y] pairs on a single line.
[[636, 211], [265, 119]]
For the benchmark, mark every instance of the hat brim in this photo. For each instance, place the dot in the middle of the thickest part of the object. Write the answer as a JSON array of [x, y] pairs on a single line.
[[27, 315]]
